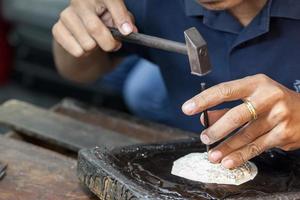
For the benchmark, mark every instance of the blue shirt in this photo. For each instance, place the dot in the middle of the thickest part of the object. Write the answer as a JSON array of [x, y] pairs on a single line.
[[270, 44]]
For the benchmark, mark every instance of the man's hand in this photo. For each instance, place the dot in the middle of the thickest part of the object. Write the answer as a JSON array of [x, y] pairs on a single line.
[[82, 26], [278, 110]]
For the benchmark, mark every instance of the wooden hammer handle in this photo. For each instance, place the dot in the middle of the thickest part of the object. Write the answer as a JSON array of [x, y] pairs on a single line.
[[151, 41]]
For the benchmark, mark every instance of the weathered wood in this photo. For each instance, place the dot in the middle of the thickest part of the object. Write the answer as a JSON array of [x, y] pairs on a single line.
[[146, 131], [56, 129], [34, 173]]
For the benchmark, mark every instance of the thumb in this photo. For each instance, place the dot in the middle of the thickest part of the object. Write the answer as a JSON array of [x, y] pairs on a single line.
[[213, 116], [121, 16]]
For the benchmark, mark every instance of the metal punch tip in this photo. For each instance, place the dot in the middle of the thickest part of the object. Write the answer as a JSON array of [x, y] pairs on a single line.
[[205, 113]]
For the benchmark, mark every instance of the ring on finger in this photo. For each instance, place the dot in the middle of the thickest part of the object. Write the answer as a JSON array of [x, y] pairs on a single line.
[[251, 109]]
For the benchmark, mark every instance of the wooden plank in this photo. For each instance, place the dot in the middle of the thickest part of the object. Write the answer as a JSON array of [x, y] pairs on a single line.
[[146, 131], [57, 129], [35, 173]]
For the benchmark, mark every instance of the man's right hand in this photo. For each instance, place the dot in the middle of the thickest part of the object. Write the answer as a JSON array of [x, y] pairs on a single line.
[[82, 26]]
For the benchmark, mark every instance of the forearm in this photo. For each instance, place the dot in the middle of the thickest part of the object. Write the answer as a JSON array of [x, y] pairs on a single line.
[[85, 68]]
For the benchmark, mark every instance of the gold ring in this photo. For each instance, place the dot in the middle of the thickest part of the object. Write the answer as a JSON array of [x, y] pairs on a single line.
[[251, 109]]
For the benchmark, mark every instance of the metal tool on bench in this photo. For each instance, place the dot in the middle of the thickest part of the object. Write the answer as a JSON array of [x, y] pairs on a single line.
[[2, 170], [195, 47]]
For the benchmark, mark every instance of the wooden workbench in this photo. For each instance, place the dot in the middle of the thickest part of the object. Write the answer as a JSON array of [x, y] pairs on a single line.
[[36, 173], [41, 152]]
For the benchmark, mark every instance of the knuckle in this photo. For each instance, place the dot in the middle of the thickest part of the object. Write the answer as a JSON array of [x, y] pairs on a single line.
[[64, 15], [278, 94], [241, 157], [224, 90], [248, 78], [285, 136], [281, 112], [93, 27], [247, 136], [89, 45], [254, 150], [285, 113], [109, 43], [262, 77]]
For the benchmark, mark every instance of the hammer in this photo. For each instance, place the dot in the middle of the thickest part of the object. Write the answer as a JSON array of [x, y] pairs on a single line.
[[195, 47]]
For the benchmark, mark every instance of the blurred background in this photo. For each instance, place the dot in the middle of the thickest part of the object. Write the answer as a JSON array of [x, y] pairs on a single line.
[[27, 70]]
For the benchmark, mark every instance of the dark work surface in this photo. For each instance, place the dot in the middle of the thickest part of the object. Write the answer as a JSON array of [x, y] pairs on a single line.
[[145, 171]]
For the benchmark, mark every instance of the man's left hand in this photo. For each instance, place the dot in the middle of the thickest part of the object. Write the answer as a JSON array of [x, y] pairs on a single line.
[[277, 125]]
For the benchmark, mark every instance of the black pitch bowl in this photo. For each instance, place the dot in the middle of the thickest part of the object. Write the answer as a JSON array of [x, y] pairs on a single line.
[[143, 172]]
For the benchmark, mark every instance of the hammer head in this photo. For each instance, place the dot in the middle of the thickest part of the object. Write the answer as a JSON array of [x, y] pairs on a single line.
[[197, 52]]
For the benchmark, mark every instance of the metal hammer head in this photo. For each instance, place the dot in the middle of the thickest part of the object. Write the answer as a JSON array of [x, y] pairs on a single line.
[[197, 52]]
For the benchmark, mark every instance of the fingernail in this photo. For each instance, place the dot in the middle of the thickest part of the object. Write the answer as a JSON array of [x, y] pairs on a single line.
[[204, 138], [215, 156], [126, 28], [189, 107], [228, 163]]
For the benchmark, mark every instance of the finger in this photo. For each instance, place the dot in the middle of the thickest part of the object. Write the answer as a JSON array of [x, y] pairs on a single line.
[[97, 29], [232, 120], [218, 94], [65, 39], [120, 15], [213, 116], [244, 136], [250, 151], [107, 19], [73, 23]]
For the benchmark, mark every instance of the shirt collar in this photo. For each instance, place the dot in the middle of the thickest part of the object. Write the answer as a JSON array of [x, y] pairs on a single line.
[[285, 9], [224, 21], [192, 8], [279, 8]]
